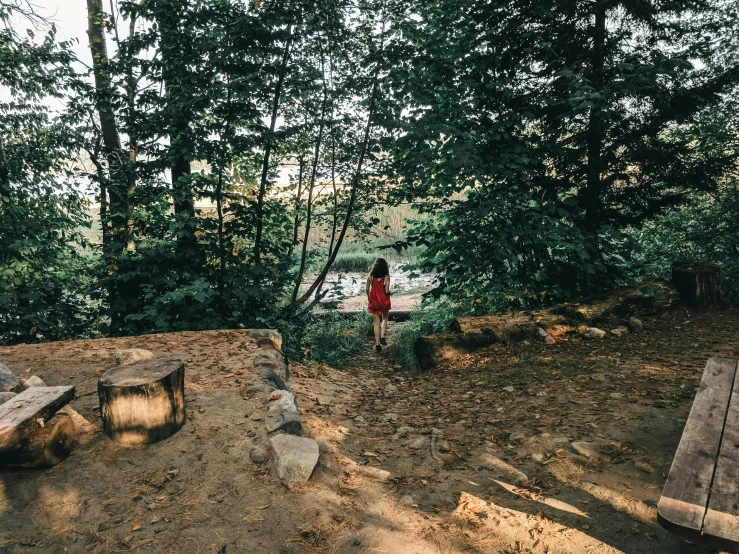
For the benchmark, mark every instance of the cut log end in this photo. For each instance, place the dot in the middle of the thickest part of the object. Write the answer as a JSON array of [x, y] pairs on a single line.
[[46, 446], [699, 284], [143, 402]]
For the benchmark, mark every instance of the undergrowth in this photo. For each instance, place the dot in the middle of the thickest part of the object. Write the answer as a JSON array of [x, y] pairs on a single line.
[[331, 339]]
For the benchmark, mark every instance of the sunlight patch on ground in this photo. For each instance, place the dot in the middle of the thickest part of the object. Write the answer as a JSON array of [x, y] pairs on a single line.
[[623, 502], [551, 502]]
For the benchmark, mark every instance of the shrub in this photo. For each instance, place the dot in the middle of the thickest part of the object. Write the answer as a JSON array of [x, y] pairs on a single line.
[[331, 339]]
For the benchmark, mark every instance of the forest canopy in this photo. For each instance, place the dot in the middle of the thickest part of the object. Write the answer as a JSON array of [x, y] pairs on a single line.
[[544, 150]]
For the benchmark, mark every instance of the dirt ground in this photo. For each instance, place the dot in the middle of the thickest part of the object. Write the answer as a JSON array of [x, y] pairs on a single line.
[[488, 466]]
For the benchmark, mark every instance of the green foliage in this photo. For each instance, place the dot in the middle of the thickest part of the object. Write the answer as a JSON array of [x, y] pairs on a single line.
[[427, 319], [354, 262], [331, 339]]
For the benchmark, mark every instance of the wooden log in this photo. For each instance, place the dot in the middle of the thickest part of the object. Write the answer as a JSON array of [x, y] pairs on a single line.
[[19, 416], [46, 446], [143, 402], [699, 284]]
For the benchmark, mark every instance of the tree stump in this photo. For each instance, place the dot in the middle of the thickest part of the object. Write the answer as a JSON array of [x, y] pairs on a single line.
[[143, 402], [46, 446], [699, 284]]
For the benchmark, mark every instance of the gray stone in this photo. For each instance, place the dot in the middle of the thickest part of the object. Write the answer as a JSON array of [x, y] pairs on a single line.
[[271, 360], [270, 377], [390, 417], [390, 389], [130, 355], [8, 381], [259, 454], [294, 457], [270, 334], [616, 395], [5, 396], [443, 446], [635, 325], [616, 332], [420, 443], [404, 431], [541, 334], [593, 333], [508, 389], [550, 340], [33, 381], [516, 438], [282, 401], [264, 387], [537, 457], [359, 419], [289, 422], [406, 500]]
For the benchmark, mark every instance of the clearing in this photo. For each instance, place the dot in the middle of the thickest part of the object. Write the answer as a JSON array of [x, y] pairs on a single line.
[[512, 448]]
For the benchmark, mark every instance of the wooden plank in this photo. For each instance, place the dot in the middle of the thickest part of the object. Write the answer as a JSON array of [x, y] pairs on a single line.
[[682, 507], [722, 516], [18, 416]]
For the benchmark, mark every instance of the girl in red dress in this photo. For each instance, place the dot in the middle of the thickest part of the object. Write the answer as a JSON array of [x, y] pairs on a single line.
[[378, 297]]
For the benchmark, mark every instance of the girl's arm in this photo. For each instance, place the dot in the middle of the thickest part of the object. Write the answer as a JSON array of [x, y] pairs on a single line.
[[367, 285], [387, 284]]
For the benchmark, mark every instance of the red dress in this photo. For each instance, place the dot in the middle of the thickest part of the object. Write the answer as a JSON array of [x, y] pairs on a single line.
[[379, 300]]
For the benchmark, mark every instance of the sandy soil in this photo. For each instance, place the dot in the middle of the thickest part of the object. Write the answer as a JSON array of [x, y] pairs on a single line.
[[487, 418]]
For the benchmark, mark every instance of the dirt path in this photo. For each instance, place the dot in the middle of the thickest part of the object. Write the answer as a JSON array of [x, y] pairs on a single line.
[[490, 464]]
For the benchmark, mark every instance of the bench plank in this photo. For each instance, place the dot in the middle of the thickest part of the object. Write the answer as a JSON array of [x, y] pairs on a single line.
[[18, 416], [683, 503], [722, 516]]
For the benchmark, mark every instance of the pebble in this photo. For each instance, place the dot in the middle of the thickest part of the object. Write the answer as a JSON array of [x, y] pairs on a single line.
[[541, 333], [406, 500], [635, 325], [593, 333], [616, 395], [390, 389], [508, 389], [33, 381], [259, 454], [616, 332], [443, 446], [390, 417], [359, 419], [550, 340], [537, 457], [404, 431], [516, 438], [419, 443]]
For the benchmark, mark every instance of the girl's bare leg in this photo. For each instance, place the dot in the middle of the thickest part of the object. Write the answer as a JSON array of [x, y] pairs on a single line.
[[384, 325], [378, 319]]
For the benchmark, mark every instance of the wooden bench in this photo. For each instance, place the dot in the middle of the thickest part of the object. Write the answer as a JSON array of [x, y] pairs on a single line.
[[23, 440], [700, 500]]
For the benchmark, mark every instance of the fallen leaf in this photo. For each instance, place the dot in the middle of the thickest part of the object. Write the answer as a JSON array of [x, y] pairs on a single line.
[[135, 527], [370, 454]]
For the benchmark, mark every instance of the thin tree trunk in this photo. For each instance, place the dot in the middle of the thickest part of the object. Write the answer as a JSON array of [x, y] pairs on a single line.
[[313, 176], [298, 195], [596, 132], [355, 182], [268, 148]]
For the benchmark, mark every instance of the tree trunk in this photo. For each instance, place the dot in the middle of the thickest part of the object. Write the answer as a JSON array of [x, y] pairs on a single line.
[[268, 148], [143, 402], [699, 284], [596, 132], [46, 446]]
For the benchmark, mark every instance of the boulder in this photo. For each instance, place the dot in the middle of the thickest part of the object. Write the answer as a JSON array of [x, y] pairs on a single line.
[[635, 325], [130, 355], [8, 381], [294, 457], [593, 333], [7, 395], [270, 334], [33, 381]]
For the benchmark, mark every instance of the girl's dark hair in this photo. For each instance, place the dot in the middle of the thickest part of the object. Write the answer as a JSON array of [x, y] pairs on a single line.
[[380, 269]]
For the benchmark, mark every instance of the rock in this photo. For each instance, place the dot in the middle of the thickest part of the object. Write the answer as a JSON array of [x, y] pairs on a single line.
[[390, 417], [5, 396], [130, 355], [270, 377], [616, 395], [359, 419], [264, 387], [294, 457], [561, 441], [616, 332], [270, 334], [33, 381], [420, 443], [593, 333], [288, 422], [550, 340], [443, 446], [635, 325], [435, 431], [390, 389], [537, 457], [407, 500], [281, 401], [8, 381], [516, 438], [508, 389], [623, 329], [404, 431], [259, 454], [271, 360], [541, 334], [502, 469], [585, 449]]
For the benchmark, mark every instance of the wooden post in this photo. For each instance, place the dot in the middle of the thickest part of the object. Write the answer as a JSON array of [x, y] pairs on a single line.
[[46, 446], [143, 402], [698, 283]]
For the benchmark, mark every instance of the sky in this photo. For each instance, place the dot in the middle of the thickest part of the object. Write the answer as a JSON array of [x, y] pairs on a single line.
[[70, 18]]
